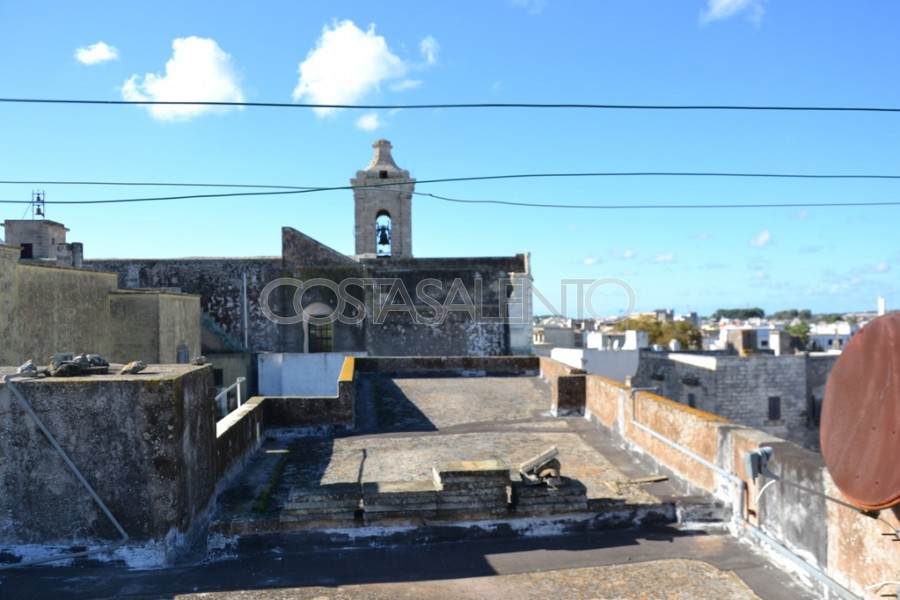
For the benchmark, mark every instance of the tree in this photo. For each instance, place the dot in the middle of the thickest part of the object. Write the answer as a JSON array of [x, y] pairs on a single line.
[[663, 332], [739, 313], [800, 331]]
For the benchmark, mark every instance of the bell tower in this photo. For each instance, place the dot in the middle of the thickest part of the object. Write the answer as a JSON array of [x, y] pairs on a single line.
[[382, 193]]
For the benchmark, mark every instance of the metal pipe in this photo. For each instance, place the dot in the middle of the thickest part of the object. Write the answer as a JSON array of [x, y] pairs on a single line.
[[246, 314], [740, 485], [23, 403], [816, 573]]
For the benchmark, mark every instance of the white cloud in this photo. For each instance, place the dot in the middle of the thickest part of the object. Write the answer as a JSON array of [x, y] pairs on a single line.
[[429, 48], [882, 267], [762, 239], [199, 71], [405, 84], [723, 9], [346, 65], [96, 53], [664, 259], [369, 122], [627, 254], [591, 260], [703, 235]]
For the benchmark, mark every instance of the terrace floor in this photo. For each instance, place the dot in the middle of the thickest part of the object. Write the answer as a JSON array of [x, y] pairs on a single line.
[[406, 426]]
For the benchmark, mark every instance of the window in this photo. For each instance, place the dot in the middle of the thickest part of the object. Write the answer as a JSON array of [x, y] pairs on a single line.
[[692, 400], [218, 377], [320, 337], [382, 175], [27, 251], [774, 408]]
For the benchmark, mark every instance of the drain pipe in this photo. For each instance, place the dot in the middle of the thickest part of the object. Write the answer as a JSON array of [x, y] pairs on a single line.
[[740, 489], [20, 399]]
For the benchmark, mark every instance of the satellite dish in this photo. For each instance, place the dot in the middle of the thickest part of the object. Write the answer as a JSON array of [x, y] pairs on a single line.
[[860, 423]]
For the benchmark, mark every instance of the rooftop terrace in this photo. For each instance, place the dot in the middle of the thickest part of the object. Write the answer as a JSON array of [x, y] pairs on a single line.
[[392, 490]]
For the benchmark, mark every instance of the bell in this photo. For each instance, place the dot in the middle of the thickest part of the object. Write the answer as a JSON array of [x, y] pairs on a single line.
[[383, 237], [39, 212]]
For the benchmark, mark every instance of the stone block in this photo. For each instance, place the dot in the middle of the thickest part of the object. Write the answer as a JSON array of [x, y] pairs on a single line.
[[470, 473], [145, 442], [399, 499], [544, 499]]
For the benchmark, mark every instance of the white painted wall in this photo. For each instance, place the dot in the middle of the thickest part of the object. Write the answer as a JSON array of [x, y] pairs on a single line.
[[628, 340], [302, 375], [615, 364]]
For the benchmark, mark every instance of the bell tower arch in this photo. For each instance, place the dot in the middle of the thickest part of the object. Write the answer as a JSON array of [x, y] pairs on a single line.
[[382, 194]]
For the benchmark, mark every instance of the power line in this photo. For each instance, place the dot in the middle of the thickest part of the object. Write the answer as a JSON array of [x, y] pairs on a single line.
[[472, 105], [291, 190], [660, 206], [725, 174]]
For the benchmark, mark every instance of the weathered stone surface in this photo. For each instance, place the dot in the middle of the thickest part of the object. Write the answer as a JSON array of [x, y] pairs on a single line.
[[335, 502], [738, 388], [528, 499], [471, 473], [144, 442], [399, 499]]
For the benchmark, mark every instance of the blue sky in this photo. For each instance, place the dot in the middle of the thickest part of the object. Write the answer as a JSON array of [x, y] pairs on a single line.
[[683, 52]]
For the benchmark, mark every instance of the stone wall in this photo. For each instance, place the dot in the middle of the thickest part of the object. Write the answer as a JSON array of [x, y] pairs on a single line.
[[43, 235], [283, 374], [568, 385], [145, 443], [482, 281], [742, 388], [237, 435], [449, 366], [61, 310], [338, 410], [219, 283], [50, 310], [802, 511], [818, 367], [10, 327], [179, 333], [154, 327]]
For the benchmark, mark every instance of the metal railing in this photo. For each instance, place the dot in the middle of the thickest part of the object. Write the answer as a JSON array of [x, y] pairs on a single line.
[[222, 397]]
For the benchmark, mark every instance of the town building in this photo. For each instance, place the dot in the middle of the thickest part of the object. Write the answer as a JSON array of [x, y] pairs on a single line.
[[381, 301], [50, 309], [781, 395], [831, 336], [613, 354]]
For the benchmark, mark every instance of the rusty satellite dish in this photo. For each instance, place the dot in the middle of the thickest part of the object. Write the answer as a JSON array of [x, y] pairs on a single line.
[[860, 423]]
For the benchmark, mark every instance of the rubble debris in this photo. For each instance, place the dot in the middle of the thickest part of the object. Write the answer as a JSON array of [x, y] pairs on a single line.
[[63, 365], [92, 364], [28, 368], [199, 360], [543, 468], [94, 360], [135, 366]]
